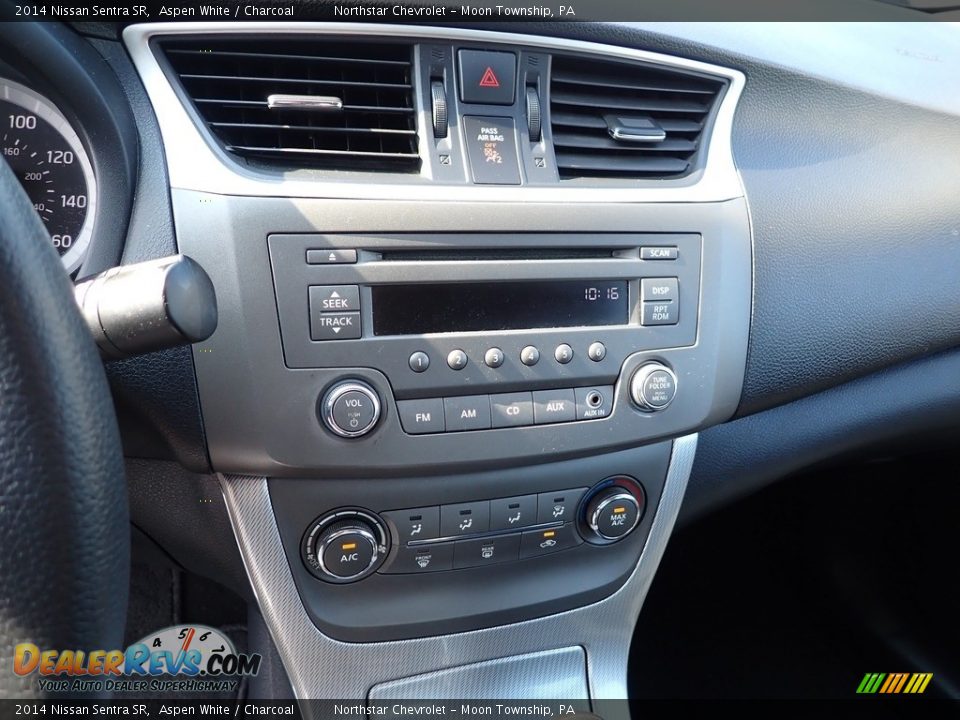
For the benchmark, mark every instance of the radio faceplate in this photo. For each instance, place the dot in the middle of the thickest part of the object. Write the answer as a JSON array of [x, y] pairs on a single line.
[[312, 297]]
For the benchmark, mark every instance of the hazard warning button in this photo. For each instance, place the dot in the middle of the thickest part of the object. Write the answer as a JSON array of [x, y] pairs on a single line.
[[487, 77]]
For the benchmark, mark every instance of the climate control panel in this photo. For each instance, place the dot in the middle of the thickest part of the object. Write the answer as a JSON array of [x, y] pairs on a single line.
[[350, 544]]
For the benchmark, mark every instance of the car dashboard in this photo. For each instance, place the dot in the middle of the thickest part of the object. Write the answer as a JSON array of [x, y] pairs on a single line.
[[493, 304]]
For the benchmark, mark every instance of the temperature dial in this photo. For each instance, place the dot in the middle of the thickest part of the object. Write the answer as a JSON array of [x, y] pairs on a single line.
[[612, 513], [345, 546]]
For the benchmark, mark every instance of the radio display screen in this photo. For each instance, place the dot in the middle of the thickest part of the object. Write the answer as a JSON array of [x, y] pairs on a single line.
[[479, 307]]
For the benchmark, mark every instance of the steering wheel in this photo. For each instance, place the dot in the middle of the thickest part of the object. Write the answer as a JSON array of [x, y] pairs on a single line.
[[64, 525]]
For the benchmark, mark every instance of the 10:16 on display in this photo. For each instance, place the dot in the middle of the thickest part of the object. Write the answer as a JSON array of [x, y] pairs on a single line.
[[610, 293]]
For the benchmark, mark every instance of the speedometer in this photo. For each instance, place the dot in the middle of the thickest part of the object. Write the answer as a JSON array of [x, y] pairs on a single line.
[[48, 158]]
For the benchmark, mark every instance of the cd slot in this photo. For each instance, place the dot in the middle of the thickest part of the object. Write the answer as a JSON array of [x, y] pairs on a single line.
[[499, 254]]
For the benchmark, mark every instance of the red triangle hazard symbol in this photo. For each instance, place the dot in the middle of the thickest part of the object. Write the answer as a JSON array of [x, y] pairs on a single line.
[[489, 79]]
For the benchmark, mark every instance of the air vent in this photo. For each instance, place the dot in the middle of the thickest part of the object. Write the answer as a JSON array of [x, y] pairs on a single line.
[[344, 105], [620, 120]]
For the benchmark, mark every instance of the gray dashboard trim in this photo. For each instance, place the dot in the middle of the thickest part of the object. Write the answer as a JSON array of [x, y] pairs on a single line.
[[195, 164], [320, 667]]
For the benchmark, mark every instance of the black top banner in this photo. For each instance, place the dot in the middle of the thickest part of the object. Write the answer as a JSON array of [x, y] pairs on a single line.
[[471, 11]]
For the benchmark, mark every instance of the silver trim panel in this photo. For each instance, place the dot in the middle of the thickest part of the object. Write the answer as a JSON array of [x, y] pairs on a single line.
[[196, 164], [320, 667]]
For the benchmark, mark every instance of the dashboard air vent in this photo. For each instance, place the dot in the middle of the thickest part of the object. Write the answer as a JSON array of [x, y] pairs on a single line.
[[626, 121], [344, 105]]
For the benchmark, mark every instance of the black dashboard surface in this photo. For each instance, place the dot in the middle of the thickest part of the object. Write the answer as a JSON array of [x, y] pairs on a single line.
[[854, 193]]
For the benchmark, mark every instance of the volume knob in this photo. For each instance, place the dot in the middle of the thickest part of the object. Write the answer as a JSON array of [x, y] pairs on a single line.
[[653, 387], [350, 408]]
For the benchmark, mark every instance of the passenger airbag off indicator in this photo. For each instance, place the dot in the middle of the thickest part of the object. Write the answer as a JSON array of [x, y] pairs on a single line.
[[492, 148]]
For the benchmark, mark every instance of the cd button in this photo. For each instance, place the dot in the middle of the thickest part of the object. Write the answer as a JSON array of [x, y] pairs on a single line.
[[563, 354], [457, 360], [511, 409]]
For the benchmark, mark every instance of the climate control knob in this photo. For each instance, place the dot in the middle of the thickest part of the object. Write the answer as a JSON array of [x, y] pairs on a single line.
[[345, 546], [613, 513], [653, 387], [350, 408]]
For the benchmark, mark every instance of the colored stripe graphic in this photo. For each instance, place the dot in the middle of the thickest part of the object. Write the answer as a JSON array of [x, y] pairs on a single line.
[[894, 683]]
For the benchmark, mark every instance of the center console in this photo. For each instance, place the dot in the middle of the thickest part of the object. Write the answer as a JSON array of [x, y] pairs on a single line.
[[454, 410]]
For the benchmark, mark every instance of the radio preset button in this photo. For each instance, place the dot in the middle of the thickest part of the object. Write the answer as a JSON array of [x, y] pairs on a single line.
[[659, 289], [511, 409], [421, 416], [457, 359], [467, 413], [419, 361], [597, 351], [563, 354], [530, 356], [514, 512], [493, 357], [554, 406]]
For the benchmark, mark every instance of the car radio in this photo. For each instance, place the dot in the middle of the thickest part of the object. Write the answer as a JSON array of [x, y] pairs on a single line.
[[475, 336]]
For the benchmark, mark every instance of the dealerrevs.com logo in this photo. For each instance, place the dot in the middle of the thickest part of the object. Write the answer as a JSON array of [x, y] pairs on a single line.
[[181, 658]]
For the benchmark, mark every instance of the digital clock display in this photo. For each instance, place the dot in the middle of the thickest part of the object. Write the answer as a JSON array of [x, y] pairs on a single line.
[[480, 307]]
